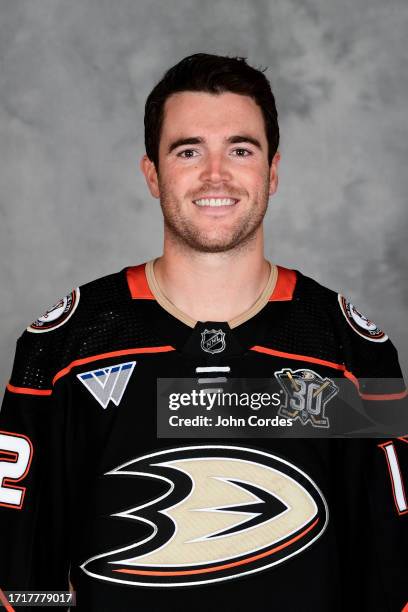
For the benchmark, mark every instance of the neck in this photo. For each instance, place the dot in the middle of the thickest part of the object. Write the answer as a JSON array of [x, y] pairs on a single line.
[[213, 286]]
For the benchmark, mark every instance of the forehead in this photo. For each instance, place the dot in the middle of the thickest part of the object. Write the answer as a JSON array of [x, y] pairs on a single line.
[[206, 112]]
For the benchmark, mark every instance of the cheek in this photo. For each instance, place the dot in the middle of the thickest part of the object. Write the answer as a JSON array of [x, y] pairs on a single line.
[[173, 182], [255, 181], [181, 180]]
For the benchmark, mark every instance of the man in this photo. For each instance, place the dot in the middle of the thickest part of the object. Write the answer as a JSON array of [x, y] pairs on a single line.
[[91, 487]]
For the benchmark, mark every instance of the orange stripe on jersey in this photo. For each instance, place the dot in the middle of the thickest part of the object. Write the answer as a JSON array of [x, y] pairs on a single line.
[[384, 396], [285, 285], [296, 357], [336, 366], [28, 390], [217, 568], [405, 608], [375, 396], [137, 281], [134, 351], [5, 602]]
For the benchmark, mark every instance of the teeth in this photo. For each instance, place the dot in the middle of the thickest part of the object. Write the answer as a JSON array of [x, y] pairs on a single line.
[[215, 202]]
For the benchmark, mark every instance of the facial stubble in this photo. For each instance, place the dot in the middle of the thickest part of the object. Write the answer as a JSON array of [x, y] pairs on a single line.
[[188, 235]]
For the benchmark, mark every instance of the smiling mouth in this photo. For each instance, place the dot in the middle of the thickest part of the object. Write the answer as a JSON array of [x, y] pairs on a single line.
[[215, 202]]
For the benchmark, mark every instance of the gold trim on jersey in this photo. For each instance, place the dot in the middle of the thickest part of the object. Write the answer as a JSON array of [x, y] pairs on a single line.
[[165, 303]]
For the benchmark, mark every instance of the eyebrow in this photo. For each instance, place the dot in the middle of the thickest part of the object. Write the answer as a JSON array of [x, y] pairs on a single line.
[[237, 138]]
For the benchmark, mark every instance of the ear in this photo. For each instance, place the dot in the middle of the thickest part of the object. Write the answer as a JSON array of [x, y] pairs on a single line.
[[149, 170], [273, 174]]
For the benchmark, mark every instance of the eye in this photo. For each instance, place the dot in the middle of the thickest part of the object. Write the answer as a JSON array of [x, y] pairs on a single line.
[[242, 152], [187, 153]]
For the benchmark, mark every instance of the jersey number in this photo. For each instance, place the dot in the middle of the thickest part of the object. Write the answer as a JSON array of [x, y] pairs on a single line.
[[16, 452], [397, 481]]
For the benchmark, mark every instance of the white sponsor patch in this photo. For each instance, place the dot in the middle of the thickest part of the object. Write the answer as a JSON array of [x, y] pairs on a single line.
[[57, 315], [361, 325], [108, 384]]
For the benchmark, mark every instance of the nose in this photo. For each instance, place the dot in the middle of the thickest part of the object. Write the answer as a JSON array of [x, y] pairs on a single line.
[[215, 169]]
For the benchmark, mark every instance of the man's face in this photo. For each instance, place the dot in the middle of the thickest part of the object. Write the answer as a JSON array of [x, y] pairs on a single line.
[[214, 179]]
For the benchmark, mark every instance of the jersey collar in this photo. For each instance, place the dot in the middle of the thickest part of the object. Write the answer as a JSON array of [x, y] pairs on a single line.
[[144, 286]]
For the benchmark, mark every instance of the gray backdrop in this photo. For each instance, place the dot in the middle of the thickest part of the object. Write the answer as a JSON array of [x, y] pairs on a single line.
[[73, 80]]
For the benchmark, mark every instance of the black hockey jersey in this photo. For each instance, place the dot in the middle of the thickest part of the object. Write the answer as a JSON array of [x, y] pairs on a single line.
[[196, 516]]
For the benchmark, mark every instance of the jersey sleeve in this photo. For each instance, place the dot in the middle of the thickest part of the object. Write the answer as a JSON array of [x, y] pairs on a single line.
[[34, 473], [372, 365], [371, 514], [389, 507]]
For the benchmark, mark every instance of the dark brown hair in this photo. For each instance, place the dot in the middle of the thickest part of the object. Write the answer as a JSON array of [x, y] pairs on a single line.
[[211, 74]]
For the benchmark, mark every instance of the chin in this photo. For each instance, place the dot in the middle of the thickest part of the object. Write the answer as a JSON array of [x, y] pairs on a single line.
[[213, 248], [217, 246]]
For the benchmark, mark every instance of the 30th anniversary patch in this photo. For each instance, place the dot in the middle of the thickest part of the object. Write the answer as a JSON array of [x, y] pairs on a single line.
[[57, 315]]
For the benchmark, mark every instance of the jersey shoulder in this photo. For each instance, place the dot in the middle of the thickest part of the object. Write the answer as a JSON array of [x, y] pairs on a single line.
[[95, 318], [299, 319], [365, 349]]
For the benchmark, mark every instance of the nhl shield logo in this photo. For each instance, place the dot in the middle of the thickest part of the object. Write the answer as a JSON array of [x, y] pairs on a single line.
[[213, 340]]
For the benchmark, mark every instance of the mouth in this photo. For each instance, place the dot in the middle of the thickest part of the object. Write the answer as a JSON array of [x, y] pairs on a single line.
[[215, 202]]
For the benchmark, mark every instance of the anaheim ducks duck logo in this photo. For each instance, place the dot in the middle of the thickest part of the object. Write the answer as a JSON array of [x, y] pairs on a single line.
[[227, 512], [359, 322], [57, 315]]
